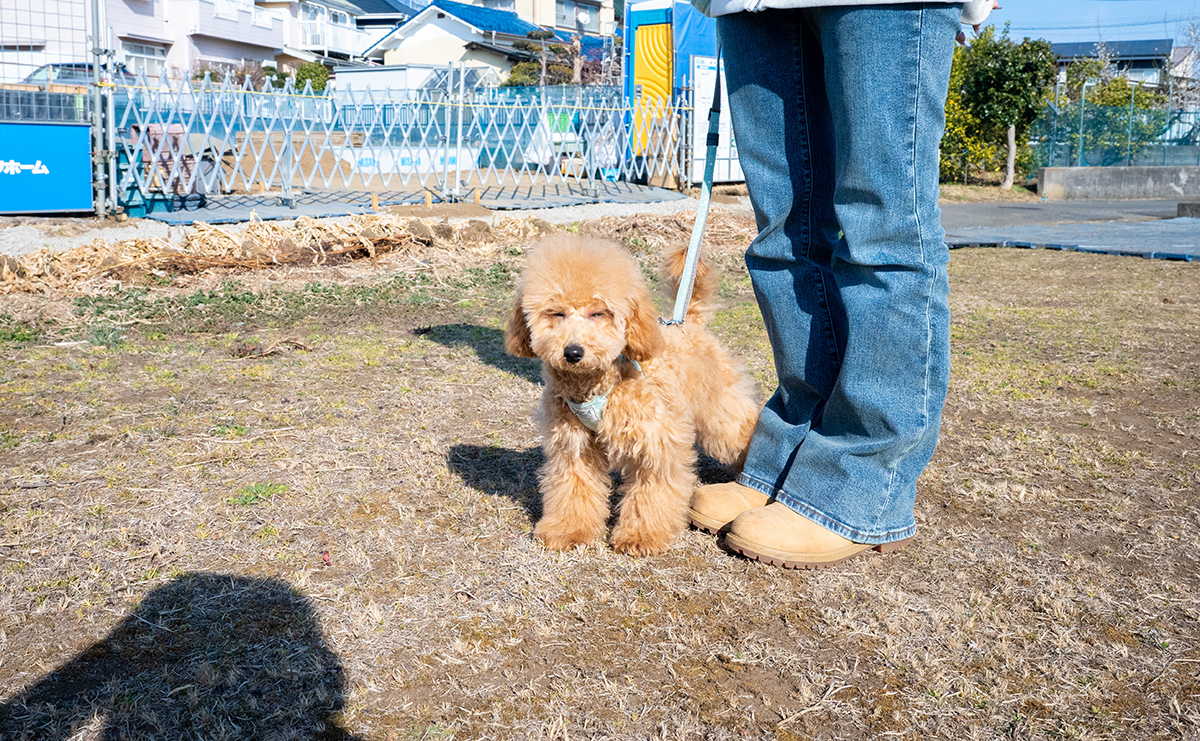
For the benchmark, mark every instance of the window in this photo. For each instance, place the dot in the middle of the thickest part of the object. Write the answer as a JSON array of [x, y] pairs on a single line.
[[143, 58], [338, 18], [577, 16], [40, 76], [71, 74], [310, 12]]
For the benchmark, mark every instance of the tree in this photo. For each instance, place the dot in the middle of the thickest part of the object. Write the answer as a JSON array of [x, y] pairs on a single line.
[[556, 64], [1005, 86], [539, 72], [964, 145], [1080, 72], [239, 73], [1118, 118], [1185, 88], [314, 73]]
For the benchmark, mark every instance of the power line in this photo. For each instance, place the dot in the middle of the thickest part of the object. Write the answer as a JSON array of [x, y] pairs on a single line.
[[1105, 24]]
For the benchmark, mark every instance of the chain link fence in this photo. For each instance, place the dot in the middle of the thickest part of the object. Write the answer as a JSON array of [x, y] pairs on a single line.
[[1083, 134]]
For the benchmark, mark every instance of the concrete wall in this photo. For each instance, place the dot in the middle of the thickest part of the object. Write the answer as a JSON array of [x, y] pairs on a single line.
[[1080, 183]]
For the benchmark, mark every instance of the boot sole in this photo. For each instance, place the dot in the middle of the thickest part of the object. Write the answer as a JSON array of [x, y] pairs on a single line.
[[712, 526], [707, 524], [788, 560]]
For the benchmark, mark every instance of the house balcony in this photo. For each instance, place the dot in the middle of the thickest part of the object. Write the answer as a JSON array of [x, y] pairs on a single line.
[[331, 39], [235, 21]]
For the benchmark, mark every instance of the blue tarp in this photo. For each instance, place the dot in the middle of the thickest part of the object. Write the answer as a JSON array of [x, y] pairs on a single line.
[[487, 19], [695, 35]]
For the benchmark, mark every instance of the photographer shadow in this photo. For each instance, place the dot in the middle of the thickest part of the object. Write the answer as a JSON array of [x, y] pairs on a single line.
[[204, 656]]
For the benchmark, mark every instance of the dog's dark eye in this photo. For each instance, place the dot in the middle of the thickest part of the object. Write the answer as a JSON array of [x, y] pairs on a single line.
[[599, 314], [559, 314]]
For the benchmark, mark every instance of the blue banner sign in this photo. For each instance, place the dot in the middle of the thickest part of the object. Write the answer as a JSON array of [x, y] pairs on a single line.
[[45, 168]]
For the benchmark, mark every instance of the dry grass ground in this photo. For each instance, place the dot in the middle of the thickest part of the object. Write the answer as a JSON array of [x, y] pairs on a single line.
[[207, 532], [962, 193]]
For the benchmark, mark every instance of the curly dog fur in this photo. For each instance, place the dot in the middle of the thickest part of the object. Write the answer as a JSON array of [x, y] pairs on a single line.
[[582, 306]]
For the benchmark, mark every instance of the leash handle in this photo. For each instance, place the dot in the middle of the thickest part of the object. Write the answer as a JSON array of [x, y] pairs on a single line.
[[687, 281]]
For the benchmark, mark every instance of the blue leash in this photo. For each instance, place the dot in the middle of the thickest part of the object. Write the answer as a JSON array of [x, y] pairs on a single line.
[[687, 281]]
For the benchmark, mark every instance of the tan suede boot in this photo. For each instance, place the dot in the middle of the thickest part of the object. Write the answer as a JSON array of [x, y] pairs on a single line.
[[714, 506], [776, 535]]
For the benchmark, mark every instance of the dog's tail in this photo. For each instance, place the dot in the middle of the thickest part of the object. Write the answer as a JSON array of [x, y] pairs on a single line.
[[700, 308]]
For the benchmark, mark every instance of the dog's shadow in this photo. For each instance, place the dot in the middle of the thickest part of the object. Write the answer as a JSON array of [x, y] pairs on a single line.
[[203, 656], [513, 474], [501, 472], [488, 344]]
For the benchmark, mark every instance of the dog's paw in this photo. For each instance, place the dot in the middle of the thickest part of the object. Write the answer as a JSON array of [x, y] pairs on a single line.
[[635, 543], [559, 538]]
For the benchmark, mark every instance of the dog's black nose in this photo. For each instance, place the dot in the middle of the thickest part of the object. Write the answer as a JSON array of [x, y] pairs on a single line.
[[573, 353]]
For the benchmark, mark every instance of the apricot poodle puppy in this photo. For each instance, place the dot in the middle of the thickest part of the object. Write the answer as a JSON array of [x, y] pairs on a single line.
[[623, 393]]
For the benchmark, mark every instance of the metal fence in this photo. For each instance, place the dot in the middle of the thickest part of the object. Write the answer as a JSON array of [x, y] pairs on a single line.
[[215, 138], [36, 33], [25, 106], [1082, 134]]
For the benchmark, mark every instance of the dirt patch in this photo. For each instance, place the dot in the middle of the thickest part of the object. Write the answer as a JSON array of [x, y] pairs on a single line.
[[301, 498], [460, 210], [732, 193]]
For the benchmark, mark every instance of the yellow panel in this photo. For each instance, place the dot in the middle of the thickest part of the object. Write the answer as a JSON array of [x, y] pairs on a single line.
[[653, 57]]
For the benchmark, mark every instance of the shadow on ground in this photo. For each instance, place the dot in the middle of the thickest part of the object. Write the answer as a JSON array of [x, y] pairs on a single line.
[[513, 473], [205, 656], [500, 472], [488, 344]]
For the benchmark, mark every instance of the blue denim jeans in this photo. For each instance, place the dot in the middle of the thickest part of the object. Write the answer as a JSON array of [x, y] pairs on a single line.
[[838, 113]]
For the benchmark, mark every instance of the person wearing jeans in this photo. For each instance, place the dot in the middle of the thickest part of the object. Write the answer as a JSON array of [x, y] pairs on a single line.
[[838, 110]]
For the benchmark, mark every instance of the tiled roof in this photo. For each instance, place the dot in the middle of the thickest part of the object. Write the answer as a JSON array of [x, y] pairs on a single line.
[[385, 7], [486, 19], [491, 20], [1122, 50]]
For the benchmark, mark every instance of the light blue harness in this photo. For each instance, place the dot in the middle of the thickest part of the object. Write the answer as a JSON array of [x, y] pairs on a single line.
[[590, 412]]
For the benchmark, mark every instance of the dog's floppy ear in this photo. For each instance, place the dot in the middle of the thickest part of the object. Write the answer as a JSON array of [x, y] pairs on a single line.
[[643, 339], [517, 340]]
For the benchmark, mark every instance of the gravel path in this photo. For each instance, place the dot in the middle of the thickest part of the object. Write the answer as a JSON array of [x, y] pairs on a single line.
[[26, 235]]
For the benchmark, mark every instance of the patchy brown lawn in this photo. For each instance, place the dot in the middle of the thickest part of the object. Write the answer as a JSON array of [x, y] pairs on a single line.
[[297, 503], [962, 193]]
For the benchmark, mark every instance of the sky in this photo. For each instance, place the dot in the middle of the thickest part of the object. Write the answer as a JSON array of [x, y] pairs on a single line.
[[1092, 20]]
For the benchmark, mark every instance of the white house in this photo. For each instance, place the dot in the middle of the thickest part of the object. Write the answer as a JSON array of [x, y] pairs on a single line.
[[323, 31], [171, 38], [1152, 61], [379, 17], [594, 17], [447, 32], [482, 38], [152, 36]]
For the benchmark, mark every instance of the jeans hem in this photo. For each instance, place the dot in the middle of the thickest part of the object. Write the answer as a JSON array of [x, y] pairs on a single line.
[[806, 510]]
